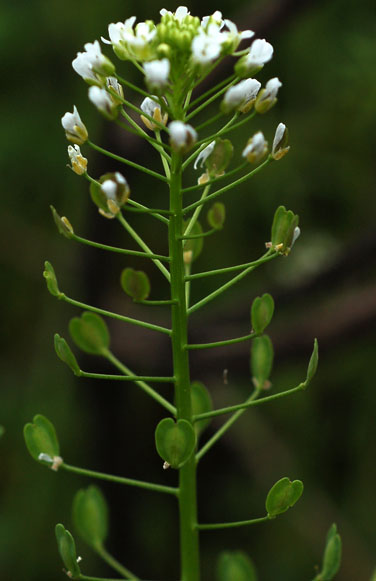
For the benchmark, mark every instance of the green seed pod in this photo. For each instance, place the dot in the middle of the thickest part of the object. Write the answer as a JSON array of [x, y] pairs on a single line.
[[284, 224], [90, 516], [261, 360], [262, 312], [64, 352], [201, 403], [332, 555], [40, 438], [90, 333], [67, 550], [220, 157], [216, 215], [50, 276], [283, 495], [235, 566], [63, 225], [175, 441], [313, 362], [135, 283]]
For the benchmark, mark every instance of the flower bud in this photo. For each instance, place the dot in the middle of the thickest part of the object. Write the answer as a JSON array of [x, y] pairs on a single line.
[[151, 107], [78, 162], [256, 148], [75, 130], [113, 84], [182, 136], [281, 139]]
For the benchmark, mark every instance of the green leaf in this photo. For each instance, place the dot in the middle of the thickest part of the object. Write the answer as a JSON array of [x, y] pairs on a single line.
[[283, 495], [175, 441], [284, 224], [217, 215], [50, 276], [262, 312], [90, 515], [64, 352], [67, 550], [313, 362], [201, 403], [332, 555], [235, 566], [220, 157], [90, 333], [193, 245], [63, 225], [40, 438], [261, 360], [135, 283]]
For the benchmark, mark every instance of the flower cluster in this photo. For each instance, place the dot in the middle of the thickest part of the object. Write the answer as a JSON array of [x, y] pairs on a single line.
[[174, 55]]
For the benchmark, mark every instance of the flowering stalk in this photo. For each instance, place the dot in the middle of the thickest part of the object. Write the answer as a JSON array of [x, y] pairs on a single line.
[[173, 57]]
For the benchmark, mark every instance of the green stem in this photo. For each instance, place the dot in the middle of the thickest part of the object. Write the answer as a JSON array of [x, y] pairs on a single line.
[[230, 525], [267, 256], [142, 244], [105, 313], [202, 235], [127, 161], [120, 479], [229, 186], [144, 386], [248, 404], [152, 378], [223, 429], [211, 90], [225, 287], [165, 160], [217, 179], [220, 343], [119, 250], [189, 547], [114, 563], [209, 121], [88, 578], [210, 100]]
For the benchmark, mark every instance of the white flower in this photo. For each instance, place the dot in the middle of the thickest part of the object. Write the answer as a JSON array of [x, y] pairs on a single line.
[[295, 236], [216, 17], [242, 95], [260, 53], [256, 148], [119, 30], [78, 161], [156, 73], [75, 130], [116, 190], [92, 64], [182, 136], [281, 138], [151, 107], [267, 97], [179, 15], [113, 84], [271, 89], [204, 154], [128, 42], [206, 47], [103, 102]]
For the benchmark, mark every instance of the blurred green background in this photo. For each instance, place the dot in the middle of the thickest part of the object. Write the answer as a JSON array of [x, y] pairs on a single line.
[[324, 56]]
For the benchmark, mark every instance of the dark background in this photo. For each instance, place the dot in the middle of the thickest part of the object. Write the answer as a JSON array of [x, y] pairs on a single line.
[[326, 436]]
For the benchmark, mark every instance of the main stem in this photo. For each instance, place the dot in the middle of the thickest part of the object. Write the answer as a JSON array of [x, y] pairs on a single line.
[[189, 546]]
